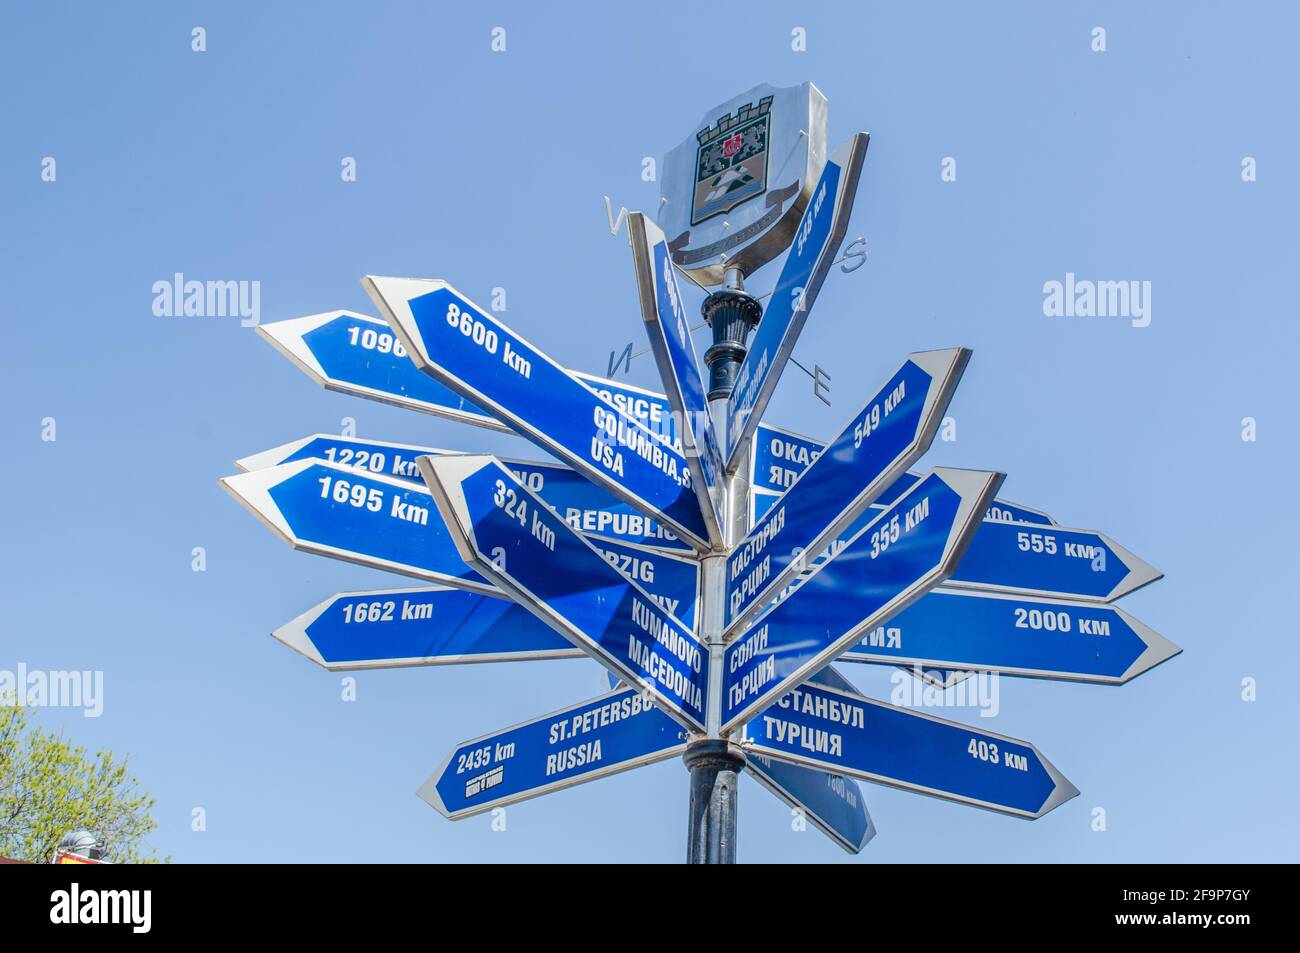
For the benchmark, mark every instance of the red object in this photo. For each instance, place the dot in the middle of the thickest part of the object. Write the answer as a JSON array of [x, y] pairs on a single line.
[[731, 146]]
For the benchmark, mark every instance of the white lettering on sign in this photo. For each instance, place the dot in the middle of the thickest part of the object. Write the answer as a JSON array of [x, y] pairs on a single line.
[[892, 531], [884, 638], [605, 523], [659, 669], [799, 456], [592, 719], [666, 634], [746, 552], [635, 568], [751, 646], [372, 339], [750, 585], [372, 499], [469, 324], [982, 749], [614, 431], [808, 221], [575, 757], [873, 415], [794, 735]]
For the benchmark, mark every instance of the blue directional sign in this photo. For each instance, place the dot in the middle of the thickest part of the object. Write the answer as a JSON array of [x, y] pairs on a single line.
[[477, 356], [780, 457], [512, 538], [614, 732], [874, 450], [1000, 510], [393, 628], [1016, 635], [672, 580], [832, 802], [584, 506], [359, 355], [905, 551], [816, 243], [844, 732], [670, 340], [370, 519], [1050, 561]]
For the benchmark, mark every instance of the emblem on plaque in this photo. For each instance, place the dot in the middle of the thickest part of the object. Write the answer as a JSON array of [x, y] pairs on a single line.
[[731, 165], [732, 194]]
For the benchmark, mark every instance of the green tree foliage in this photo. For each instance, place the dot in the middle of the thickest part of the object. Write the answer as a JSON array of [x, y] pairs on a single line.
[[49, 787]]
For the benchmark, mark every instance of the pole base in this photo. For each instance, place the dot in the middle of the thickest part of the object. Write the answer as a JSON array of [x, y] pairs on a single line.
[[715, 768]]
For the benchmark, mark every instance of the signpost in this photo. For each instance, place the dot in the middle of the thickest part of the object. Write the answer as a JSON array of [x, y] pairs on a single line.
[[507, 534], [715, 565], [901, 554], [614, 732], [874, 450], [461, 346]]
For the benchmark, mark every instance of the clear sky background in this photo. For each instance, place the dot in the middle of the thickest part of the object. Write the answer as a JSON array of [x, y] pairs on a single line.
[[488, 169]]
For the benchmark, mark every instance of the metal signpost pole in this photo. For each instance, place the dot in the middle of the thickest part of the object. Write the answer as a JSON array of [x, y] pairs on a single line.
[[715, 572], [715, 763]]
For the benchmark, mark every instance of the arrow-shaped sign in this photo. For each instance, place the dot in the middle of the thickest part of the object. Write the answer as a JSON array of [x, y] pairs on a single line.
[[464, 348], [906, 550], [400, 529], [670, 339], [360, 355], [844, 732], [1050, 561], [614, 732], [512, 538], [761, 501], [781, 456], [874, 450], [585, 506], [373, 520], [832, 802], [396, 628], [822, 229], [1015, 635]]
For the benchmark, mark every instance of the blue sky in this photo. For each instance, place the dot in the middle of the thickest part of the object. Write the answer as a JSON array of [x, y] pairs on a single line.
[[488, 169]]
